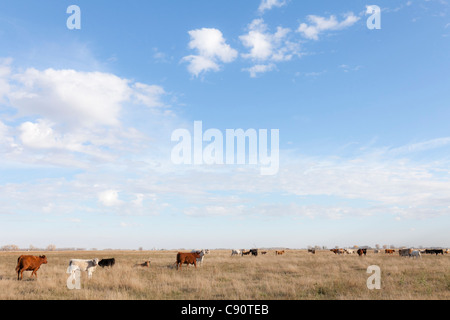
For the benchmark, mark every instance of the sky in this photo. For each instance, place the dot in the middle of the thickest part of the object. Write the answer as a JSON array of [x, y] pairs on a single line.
[[90, 99]]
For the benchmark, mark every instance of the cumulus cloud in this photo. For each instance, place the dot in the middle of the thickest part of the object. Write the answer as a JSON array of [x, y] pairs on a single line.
[[72, 118], [212, 49], [321, 24], [264, 45], [76, 98], [267, 48], [69, 96]]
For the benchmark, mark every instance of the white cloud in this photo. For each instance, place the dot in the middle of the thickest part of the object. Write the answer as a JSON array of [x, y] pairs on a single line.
[[259, 68], [321, 24], [78, 99], [212, 49], [69, 96], [199, 64], [148, 95], [269, 4], [109, 198], [267, 46]]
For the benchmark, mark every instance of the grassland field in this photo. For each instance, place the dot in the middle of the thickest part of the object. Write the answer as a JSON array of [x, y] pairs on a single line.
[[296, 275]]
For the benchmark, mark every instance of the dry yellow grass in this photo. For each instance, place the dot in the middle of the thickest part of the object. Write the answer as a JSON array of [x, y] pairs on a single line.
[[297, 275]]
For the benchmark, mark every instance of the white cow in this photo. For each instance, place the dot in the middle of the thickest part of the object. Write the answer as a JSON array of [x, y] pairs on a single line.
[[349, 251], [88, 265], [236, 252], [415, 254], [202, 254]]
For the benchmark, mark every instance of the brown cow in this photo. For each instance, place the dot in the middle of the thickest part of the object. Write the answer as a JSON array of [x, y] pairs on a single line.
[[29, 263], [361, 252], [143, 264], [389, 251], [187, 258], [337, 251], [279, 252]]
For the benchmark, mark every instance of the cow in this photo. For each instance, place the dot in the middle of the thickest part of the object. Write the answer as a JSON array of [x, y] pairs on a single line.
[[29, 263], [263, 252], [202, 254], [246, 253], [187, 258], [389, 251], [404, 252], [143, 264], [88, 265], [236, 252], [337, 251], [107, 262], [376, 251], [415, 254], [349, 251], [313, 251], [434, 251], [254, 252], [361, 252], [279, 252]]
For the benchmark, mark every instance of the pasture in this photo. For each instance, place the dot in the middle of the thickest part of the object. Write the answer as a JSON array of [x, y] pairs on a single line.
[[295, 275]]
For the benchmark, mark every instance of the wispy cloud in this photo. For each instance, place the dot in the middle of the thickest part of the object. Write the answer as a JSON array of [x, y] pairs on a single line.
[[269, 4], [318, 25]]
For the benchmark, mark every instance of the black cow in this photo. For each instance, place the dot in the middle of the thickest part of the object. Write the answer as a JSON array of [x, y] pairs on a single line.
[[435, 251], [254, 252], [107, 262]]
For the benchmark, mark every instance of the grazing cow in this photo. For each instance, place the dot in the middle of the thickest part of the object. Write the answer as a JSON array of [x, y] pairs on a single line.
[[254, 252], [434, 251], [415, 254], [246, 253], [187, 258], [404, 252], [337, 251], [29, 263], [279, 252], [144, 264], [313, 251], [361, 252], [376, 251], [349, 251], [236, 252], [88, 265], [389, 251], [202, 254], [107, 262]]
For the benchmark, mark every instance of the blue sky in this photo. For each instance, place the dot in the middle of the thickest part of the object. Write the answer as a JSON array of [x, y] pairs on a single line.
[[86, 118]]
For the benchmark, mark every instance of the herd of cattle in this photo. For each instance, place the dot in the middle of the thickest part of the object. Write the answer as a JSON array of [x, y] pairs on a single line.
[[33, 263], [414, 253]]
